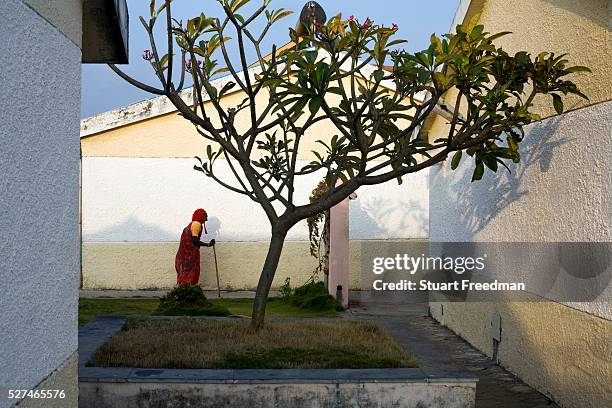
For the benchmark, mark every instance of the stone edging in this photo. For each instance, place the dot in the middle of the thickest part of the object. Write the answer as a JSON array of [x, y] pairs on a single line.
[[101, 328]]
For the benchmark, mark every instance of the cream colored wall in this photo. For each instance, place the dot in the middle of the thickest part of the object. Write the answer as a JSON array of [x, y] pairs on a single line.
[[580, 28], [563, 352], [151, 265], [129, 266], [560, 192], [64, 378]]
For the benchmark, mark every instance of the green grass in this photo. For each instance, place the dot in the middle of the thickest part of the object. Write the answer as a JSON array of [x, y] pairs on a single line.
[[90, 307], [275, 307], [188, 343]]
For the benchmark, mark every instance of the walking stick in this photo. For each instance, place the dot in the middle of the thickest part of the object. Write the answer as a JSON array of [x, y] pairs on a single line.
[[217, 272]]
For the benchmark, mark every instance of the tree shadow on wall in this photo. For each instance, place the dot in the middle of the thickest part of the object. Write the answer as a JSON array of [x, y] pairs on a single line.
[[562, 272], [567, 272], [370, 221], [481, 201], [133, 229]]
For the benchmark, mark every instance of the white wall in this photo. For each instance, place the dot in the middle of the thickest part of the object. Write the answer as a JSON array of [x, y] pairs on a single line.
[[152, 199], [39, 197]]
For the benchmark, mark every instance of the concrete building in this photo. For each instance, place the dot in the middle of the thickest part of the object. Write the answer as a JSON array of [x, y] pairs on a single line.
[[140, 189], [43, 45], [560, 192]]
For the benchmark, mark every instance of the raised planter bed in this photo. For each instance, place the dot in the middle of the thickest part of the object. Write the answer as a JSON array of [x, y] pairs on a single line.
[[137, 387]]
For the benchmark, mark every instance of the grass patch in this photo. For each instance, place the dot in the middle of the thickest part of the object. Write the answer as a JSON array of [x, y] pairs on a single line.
[[90, 307], [274, 307], [188, 343]]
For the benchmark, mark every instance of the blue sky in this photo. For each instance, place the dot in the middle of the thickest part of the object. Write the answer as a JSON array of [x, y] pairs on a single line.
[[103, 90]]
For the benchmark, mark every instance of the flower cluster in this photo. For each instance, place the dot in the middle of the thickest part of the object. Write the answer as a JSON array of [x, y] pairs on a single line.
[[190, 62], [147, 55], [367, 24]]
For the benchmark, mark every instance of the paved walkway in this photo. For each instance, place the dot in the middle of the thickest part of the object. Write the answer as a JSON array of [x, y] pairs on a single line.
[[159, 293], [438, 348]]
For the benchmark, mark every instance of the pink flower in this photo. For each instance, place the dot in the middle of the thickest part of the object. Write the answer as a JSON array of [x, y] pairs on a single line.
[[147, 55], [395, 26], [188, 64], [367, 24], [351, 18]]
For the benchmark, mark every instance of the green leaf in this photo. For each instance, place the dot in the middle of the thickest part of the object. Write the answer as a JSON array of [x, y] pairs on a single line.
[[478, 171], [434, 39], [226, 88], [396, 42], [456, 159], [378, 75], [212, 92], [163, 60], [577, 68], [490, 162], [440, 79], [335, 90], [297, 109], [315, 104], [557, 103], [497, 35], [477, 31], [512, 144], [472, 23], [280, 14], [311, 56], [161, 8], [239, 4]]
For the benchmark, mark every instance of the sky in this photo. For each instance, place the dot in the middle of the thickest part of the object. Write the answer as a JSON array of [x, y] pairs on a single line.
[[103, 90]]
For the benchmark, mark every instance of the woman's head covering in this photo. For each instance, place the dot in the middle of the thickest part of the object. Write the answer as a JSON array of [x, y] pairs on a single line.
[[199, 215]]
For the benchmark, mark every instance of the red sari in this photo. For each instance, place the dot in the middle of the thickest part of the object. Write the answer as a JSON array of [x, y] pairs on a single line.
[[187, 262]]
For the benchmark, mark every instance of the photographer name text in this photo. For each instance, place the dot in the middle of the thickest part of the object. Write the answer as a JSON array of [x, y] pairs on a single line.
[[423, 284]]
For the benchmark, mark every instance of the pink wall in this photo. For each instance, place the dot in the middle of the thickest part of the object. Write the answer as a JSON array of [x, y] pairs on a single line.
[[339, 249]]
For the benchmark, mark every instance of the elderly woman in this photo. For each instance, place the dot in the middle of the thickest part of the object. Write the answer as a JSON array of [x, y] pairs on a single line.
[[187, 262]]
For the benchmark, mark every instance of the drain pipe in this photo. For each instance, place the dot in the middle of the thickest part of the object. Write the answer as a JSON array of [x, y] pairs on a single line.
[[496, 331]]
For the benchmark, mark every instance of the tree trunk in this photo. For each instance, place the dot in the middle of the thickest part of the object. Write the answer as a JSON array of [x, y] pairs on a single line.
[[266, 277]]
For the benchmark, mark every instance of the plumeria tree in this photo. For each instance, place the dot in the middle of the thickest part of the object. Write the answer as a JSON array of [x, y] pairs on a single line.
[[352, 75]]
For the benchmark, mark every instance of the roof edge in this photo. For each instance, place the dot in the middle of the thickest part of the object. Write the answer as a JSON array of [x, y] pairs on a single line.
[[147, 109]]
